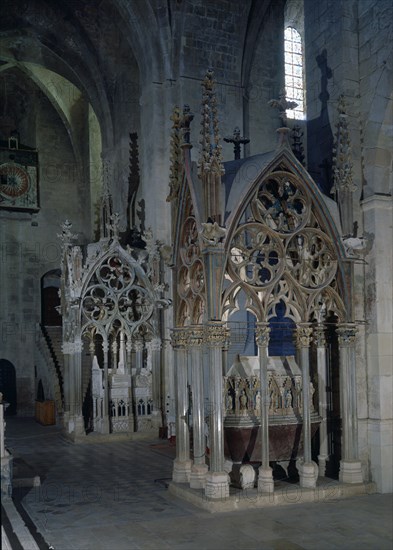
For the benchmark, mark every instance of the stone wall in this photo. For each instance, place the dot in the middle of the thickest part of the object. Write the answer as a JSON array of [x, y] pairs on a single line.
[[348, 51], [29, 243]]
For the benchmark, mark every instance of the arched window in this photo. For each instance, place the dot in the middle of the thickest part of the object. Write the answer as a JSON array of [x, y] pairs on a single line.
[[294, 79]]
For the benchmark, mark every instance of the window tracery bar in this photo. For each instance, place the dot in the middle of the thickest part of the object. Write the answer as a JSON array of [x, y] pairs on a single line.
[[294, 77]]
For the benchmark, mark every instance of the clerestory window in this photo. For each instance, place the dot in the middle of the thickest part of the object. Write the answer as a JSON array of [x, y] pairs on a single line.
[[294, 77]]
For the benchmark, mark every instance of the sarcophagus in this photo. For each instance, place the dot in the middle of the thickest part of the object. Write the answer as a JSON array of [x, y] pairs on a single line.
[[242, 399]]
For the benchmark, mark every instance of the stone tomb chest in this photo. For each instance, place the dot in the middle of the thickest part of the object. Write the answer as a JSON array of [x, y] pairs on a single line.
[[242, 405]]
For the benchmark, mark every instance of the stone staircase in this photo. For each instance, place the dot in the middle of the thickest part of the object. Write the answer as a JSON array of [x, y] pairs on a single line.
[[54, 367], [55, 335]]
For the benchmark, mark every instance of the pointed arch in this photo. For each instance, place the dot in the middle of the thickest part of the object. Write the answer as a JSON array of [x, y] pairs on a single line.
[[282, 225], [282, 239]]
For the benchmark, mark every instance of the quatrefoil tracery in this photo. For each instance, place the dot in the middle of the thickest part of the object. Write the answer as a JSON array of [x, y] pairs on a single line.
[[115, 290]]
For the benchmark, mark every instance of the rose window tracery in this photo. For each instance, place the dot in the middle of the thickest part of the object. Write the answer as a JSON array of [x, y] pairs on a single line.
[[280, 251], [281, 204]]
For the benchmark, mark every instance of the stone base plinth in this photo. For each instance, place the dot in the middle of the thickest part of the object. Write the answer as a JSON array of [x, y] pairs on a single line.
[[217, 485], [198, 476], [74, 427], [265, 480], [6, 476], [350, 471], [327, 490], [181, 471], [322, 459], [308, 473]]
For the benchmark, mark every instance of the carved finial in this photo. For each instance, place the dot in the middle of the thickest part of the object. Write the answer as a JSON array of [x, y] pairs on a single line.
[[175, 155], [237, 140], [282, 104], [114, 225], [210, 167], [185, 122], [66, 236], [342, 162], [210, 150]]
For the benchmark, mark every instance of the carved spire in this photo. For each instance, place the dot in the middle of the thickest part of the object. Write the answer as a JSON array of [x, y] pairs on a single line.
[[66, 236], [210, 167], [106, 202], [185, 122], [133, 179], [342, 162], [343, 185], [175, 155]]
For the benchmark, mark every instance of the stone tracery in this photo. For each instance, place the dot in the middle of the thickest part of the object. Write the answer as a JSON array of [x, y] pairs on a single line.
[[278, 254], [112, 301]]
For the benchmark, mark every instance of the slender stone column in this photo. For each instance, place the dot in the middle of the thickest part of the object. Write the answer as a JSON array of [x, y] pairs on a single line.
[[320, 342], [350, 465], [308, 470], [129, 356], [67, 383], [199, 468], [105, 417], [73, 364], [182, 462], [77, 361], [128, 370], [217, 479], [2, 429], [265, 479], [225, 354], [114, 356], [154, 348], [138, 347]]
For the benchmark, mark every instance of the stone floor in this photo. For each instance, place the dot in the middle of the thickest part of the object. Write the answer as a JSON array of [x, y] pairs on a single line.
[[114, 496]]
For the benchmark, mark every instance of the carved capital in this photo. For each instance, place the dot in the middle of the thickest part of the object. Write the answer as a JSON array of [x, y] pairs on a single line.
[[303, 335], [319, 336], [180, 338], [154, 344], [71, 348], [346, 334], [196, 336], [216, 335], [137, 345], [262, 334]]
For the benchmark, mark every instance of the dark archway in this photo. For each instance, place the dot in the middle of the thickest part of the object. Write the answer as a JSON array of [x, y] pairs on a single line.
[[50, 299], [8, 385]]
